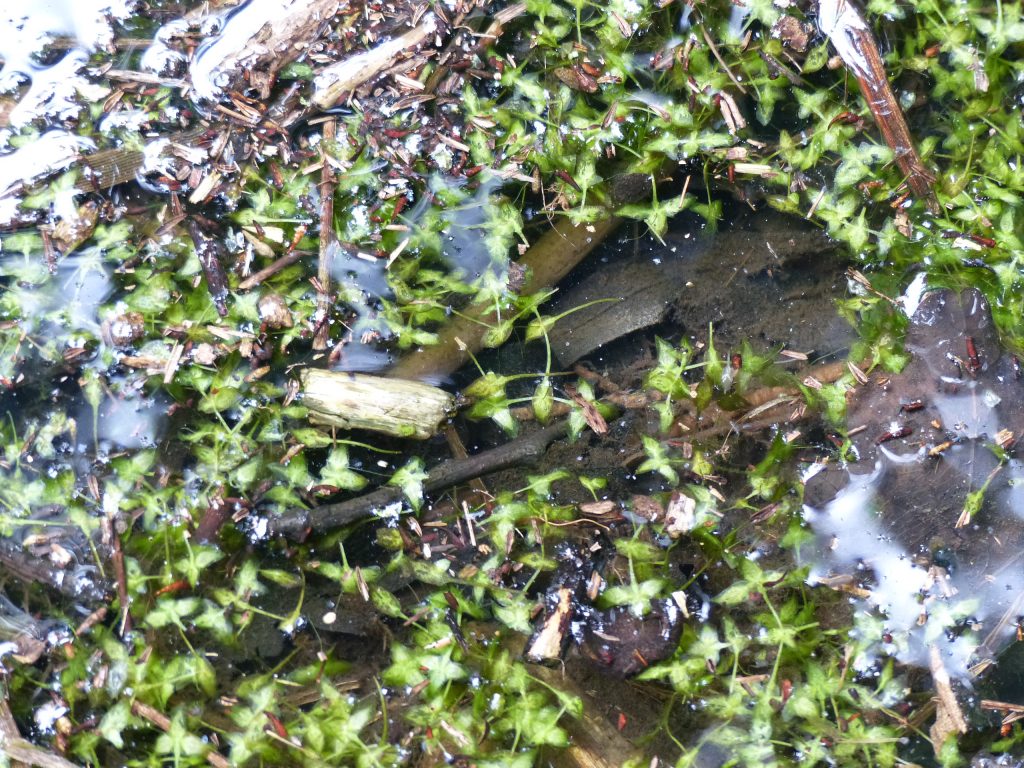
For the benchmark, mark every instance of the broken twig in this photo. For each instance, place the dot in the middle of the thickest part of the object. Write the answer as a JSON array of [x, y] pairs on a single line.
[[359, 401], [322, 336]]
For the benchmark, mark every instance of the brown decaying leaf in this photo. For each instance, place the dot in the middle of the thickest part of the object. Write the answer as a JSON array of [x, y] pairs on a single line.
[[576, 79], [594, 419]]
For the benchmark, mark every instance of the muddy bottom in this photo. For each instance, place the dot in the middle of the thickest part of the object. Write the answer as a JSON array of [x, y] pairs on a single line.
[[765, 278], [923, 514]]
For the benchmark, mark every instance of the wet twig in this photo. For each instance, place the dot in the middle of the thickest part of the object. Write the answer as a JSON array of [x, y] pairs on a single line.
[[322, 336], [250, 55], [297, 523], [718, 56], [271, 269], [551, 257], [163, 722], [21, 752], [121, 580], [30, 569], [454, 47], [843, 24], [144, 78], [339, 80]]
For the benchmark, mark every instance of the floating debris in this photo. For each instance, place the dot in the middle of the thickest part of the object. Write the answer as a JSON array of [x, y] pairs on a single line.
[[940, 488]]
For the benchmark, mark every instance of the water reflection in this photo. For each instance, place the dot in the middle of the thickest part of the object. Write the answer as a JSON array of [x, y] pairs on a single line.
[[453, 225], [925, 522], [126, 418], [362, 281], [53, 151], [466, 227], [57, 89], [231, 31]]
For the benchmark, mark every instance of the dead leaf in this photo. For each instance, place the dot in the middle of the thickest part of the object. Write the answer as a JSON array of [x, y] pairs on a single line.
[[681, 515], [594, 419]]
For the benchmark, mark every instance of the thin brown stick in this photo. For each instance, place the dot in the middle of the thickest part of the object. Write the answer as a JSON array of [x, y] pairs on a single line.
[[498, 22], [1002, 706], [163, 722], [718, 56], [339, 80], [90, 621], [322, 336], [121, 580], [842, 23], [271, 269], [146, 78], [458, 449]]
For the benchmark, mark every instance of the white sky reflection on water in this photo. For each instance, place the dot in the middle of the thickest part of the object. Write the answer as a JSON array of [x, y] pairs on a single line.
[[238, 24], [920, 608], [26, 28], [926, 440]]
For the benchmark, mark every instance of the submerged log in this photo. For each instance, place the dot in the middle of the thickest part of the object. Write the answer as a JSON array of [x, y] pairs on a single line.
[[297, 523], [391, 406], [550, 259], [553, 256]]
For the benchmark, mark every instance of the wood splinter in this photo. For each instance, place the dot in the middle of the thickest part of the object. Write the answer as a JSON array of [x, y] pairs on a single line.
[[391, 406]]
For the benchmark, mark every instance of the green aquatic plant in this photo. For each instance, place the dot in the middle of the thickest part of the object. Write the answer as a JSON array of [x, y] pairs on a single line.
[[576, 95]]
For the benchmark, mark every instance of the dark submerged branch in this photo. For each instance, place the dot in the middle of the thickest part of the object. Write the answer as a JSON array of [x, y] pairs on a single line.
[[300, 522], [209, 252]]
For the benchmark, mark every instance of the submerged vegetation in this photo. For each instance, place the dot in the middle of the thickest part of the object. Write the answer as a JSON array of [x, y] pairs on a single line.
[[154, 431]]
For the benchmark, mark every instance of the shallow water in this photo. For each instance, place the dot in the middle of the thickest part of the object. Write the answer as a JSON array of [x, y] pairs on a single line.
[[925, 453], [163, 424]]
